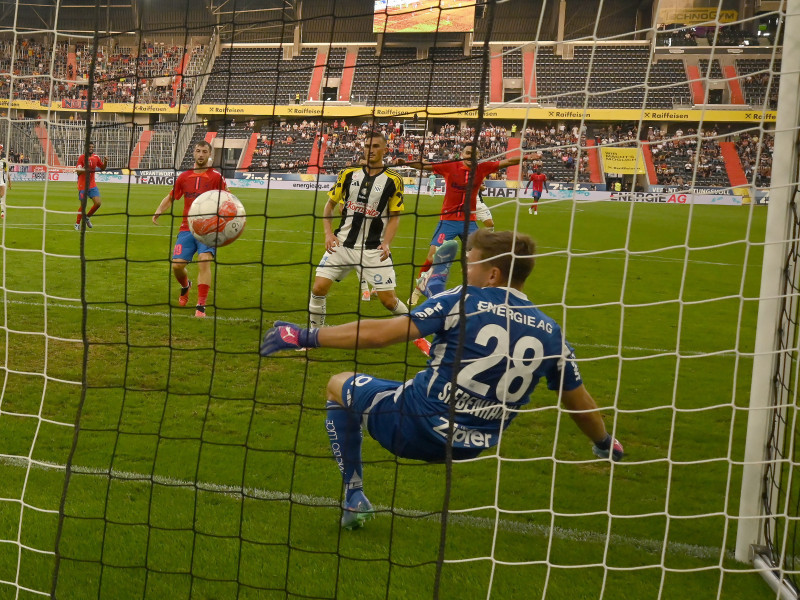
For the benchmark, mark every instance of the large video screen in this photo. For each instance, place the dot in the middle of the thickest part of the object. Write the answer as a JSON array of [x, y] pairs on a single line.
[[423, 16]]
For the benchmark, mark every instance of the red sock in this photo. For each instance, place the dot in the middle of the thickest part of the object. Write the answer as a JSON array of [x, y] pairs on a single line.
[[202, 293], [93, 210], [425, 267], [80, 214], [184, 281]]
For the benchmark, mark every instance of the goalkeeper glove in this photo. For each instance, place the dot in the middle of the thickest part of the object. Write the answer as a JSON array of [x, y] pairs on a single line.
[[288, 336], [608, 446]]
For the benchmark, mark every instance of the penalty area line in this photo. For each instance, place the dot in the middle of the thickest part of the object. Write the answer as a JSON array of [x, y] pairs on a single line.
[[528, 529]]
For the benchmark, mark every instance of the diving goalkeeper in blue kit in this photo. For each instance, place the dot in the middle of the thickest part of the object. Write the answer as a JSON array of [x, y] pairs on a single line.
[[508, 346]]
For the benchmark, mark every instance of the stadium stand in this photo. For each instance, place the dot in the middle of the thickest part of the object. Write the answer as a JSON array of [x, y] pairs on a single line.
[[561, 82], [716, 69], [258, 76], [555, 150], [512, 62], [384, 80], [748, 146], [674, 159], [758, 82]]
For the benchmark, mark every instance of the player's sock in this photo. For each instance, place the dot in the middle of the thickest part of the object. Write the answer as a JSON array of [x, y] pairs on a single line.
[[80, 216], [365, 295], [426, 265], [92, 210], [202, 293], [400, 308], [184, 281], [442, 262], [317, 308], [344, 435]]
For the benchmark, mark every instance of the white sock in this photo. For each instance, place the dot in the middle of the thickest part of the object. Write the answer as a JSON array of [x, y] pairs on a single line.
[[364, 285], [400, 308], [316, 311]]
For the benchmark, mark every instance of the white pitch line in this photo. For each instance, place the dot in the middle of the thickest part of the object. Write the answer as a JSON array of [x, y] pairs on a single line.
[[576, 252], [183, 314], [519, 527]]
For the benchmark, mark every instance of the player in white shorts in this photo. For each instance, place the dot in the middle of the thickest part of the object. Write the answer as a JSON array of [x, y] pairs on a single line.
[[371, 199], [5, 182], [482, 212]]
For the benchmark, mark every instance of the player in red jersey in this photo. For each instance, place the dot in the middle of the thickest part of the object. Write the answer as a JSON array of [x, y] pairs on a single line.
[[451, 225], [88, 165], [190, 184], [538, 179]]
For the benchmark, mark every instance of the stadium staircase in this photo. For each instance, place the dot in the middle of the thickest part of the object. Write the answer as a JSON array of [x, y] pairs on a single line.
[[496, 78], [737, 95], [140, 149], [72, 59], [317, 153], [348, 72], [47, 146], [594, 162], [696, 84], [512, 172], [529, 74], [176, 84], [733, 164], [652, 176], [316, 75], [247, 159]]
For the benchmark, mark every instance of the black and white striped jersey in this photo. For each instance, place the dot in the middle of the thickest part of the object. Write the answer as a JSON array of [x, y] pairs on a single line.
[[366, 203]]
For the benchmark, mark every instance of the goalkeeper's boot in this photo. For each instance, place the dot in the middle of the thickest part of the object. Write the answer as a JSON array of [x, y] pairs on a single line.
[[183, 299], [77, 226], [422, 282], [357, 511], [440, 269], [200, 311], [88, 222]]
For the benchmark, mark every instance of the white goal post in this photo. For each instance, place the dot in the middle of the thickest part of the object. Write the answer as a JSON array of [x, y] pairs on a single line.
[[771, 424]]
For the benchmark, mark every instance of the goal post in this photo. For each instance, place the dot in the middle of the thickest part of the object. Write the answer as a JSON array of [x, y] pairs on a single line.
[[771, 422]]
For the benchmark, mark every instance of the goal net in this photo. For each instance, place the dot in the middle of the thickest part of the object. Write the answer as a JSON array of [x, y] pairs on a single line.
[[147, 451]]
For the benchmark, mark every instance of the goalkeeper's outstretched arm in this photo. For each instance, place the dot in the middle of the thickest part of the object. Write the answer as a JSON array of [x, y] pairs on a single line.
[[583, 410]]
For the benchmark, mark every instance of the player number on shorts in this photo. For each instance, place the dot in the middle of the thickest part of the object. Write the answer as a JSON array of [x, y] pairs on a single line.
[[525, 358]]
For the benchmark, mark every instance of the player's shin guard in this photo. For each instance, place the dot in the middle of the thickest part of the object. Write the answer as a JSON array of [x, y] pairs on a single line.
[[400, 308], [345, 436], [317, 308]]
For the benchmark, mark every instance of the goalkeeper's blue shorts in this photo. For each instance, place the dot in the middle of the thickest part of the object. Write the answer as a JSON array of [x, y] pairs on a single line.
[[393, 422]]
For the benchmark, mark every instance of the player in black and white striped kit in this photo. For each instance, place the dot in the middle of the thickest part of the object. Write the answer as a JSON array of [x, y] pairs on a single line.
[[371, 198]]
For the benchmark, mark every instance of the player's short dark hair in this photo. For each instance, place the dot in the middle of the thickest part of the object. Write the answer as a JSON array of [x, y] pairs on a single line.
[[203, 143], [472, 145], [374, 133], [512, 253]]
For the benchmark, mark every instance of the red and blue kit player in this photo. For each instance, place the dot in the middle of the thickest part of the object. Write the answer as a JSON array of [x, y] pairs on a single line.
[[189, 185], [487, 357], [451, 224], [88, 188], [538, 180]]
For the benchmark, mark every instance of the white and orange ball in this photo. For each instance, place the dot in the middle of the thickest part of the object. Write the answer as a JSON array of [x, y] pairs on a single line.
[[217, 218]]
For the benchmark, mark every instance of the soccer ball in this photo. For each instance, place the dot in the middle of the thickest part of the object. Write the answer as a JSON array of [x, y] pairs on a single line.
[[216, 218]]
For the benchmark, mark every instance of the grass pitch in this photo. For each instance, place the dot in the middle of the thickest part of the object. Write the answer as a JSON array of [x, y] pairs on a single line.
[[203, 471]]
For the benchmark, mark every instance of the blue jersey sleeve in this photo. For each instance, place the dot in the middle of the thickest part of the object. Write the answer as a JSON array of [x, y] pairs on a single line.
[[565, 363], [431, 316]]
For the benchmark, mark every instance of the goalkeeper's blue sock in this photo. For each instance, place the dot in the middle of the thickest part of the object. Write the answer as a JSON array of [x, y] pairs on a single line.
[[344, 434]]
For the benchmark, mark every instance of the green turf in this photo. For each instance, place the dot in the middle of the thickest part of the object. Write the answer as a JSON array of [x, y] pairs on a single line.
[[206, 443]]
